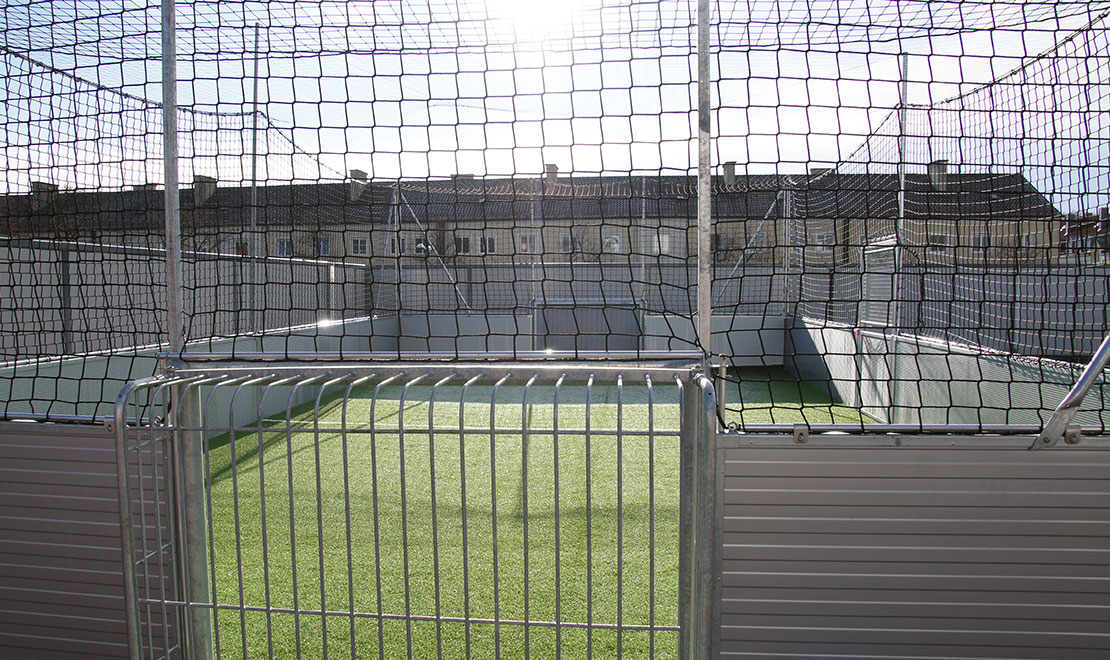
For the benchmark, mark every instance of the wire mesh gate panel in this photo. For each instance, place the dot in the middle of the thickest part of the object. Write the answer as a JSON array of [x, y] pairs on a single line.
[[909, 547], [421, 512]]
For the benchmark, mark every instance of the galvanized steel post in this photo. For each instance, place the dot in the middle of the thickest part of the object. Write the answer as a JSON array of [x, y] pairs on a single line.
[[188, 445], [174, 319], [699, 589], [705, 259]]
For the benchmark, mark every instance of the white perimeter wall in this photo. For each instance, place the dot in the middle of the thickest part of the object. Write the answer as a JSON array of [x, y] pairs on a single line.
[[906, 380]]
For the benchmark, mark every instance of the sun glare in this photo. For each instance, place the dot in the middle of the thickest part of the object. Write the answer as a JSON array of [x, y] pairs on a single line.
[[537, 20]]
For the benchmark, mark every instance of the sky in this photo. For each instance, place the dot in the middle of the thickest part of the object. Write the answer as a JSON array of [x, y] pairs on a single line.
[[501, 87]]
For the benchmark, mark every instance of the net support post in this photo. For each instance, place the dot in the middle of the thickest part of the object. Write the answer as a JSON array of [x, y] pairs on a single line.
[[699, 582], [174, 318], [705, 258], [191, 515]]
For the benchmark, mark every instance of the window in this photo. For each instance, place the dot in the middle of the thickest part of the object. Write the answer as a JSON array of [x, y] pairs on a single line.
[[824, 242], [938, 244], [1027, 244], [462, 245], [714, 242], [981, 241], [284, 247], [323, 247], [611, 244], [360, 246], [528, 243], [487, 244], [569, 243], [658, 243]]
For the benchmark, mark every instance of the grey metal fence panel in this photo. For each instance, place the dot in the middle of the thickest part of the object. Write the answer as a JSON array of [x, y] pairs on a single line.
[[944, 548], [61, 584]]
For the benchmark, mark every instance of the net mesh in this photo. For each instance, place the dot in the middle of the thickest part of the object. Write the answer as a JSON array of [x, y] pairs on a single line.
[[487, 179]]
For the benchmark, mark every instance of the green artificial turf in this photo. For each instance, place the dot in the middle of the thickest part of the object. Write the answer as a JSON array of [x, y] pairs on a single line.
[[406, 552], [756, 395]]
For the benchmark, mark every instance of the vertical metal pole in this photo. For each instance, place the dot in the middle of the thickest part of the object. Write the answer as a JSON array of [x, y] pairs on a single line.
[[642, 234], [198, 622], [899, 229], [174, 320], [705, 277], [189, 446], [699, 598], [255, 249]]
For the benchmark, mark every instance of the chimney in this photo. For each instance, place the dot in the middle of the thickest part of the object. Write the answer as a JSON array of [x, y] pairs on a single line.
[[462, 177], [938, 175], [552, 172], [204, 187], [43, 195], [1104, 214], [144, 186], [43, 187], [357, 185], [730, 173]]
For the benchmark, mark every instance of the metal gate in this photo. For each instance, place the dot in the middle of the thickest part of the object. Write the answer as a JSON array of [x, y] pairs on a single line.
[[419, 511]]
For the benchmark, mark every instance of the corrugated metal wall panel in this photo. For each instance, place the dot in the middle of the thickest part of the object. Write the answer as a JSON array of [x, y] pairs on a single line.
[[61, 583], [899, 552]]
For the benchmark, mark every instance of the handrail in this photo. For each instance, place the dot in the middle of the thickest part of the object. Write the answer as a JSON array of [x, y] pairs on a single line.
[[1058, 424]]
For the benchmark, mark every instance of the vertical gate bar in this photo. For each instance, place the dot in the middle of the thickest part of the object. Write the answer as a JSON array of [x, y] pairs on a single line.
[[705, 257], [174, 553], [292, 510], [589, 530], [713, 514], [238, 524], [145, 550], [346, 509], [524, 506], [620, 515], [262, 504], [127, 539], [320, 510], [377, 518], [651, 516], [435, 516], [404, 511], [558, 557], [193, 465], [687, 439], [493, 510], [212, 597], [463, 506]]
